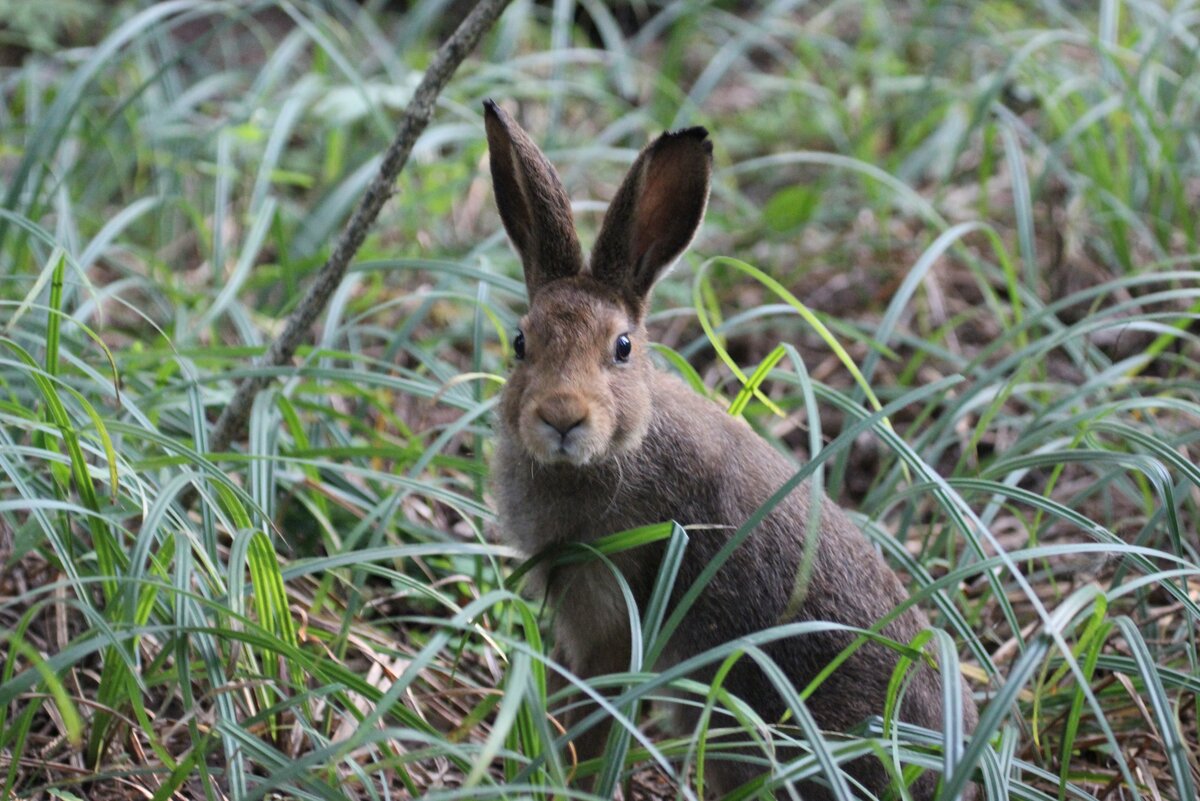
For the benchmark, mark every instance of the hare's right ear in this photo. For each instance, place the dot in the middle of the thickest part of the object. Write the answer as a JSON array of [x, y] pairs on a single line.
[[654, 214], [533, 204]]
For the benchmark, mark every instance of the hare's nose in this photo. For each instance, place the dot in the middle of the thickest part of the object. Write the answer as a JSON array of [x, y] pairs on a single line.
[[563, 413]]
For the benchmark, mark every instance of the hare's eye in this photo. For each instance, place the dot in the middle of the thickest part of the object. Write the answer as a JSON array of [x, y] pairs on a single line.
[[519, 344], [623, 348]]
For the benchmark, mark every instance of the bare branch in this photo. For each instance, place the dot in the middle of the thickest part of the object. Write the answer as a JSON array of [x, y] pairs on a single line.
[[231, 424]]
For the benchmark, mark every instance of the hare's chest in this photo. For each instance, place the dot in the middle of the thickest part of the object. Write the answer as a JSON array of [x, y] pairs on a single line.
[[537, 514], [592, 610]]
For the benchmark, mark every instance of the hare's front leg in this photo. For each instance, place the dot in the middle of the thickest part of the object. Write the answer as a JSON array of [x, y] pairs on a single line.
[[598, 662]]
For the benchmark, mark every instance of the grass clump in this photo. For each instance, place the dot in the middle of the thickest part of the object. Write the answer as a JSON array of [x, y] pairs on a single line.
[[987, 207]]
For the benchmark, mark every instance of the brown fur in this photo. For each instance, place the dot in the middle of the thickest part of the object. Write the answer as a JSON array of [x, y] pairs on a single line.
[[589, 446]]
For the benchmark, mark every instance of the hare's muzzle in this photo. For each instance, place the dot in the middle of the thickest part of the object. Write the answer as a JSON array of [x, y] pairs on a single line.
[[563, 413], [560, 427]]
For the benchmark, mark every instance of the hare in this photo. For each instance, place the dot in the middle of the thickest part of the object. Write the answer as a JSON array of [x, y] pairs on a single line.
[[593, 439]]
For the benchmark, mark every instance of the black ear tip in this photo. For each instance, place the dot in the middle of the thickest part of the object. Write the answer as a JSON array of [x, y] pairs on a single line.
[[492, 109], [495, 120], [697, 134]]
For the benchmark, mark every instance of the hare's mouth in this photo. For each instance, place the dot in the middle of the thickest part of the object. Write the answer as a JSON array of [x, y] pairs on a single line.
[[548, 445]]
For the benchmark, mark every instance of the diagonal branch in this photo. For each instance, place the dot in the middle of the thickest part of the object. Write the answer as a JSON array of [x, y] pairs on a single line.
[[231, 424]]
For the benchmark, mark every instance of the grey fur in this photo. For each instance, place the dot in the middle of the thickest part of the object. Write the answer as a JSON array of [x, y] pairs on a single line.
[[640, 447]]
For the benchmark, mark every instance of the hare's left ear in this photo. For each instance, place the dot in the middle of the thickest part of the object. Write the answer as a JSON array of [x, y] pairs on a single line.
[[655, 213]]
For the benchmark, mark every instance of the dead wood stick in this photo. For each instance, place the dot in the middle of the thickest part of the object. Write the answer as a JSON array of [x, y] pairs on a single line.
[[231, 424]]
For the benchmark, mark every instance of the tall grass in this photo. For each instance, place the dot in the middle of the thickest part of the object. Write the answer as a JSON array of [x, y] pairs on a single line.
[[983, 210]]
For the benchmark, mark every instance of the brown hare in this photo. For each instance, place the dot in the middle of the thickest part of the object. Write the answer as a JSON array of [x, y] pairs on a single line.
[[593, 439]]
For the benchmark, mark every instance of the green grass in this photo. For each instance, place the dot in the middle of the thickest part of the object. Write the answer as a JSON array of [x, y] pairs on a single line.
[[989, 209]]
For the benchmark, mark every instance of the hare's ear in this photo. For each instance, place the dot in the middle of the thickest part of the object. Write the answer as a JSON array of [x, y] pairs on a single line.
[[655, 213], [533, 204]]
